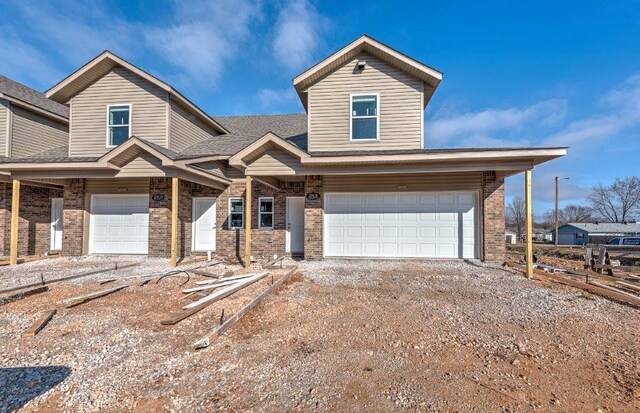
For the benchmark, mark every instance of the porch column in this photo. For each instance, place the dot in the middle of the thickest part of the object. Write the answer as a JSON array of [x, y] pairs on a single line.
[[528, 222], [247, 224], [175, 182], [15, 216]]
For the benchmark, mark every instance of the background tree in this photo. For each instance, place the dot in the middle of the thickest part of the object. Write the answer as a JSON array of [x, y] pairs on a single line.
[[570, 213], [515, 215], [618, 202]]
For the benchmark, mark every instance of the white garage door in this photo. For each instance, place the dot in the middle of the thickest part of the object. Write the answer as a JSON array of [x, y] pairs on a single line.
[[424, 224], [119, 224]]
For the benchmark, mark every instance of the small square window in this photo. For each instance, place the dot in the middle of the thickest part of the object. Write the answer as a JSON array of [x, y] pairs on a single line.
[[265, 213], [236, 213], [119, 122]]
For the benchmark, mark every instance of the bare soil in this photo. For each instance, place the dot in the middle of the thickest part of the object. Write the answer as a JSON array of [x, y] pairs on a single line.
[[339, 336]]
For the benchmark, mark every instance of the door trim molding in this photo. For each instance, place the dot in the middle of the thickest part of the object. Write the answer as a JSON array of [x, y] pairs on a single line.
[[52, 233]]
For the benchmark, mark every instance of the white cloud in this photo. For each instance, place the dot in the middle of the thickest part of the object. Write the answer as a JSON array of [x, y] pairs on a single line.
[[297, 35], [278, 99], [477, 128], [205, 36], [19, 55], [621, 110]]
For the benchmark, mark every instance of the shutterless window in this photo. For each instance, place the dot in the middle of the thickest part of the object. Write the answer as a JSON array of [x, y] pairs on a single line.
[[265, 213], [236, 212], [119, 119], [364, 117]]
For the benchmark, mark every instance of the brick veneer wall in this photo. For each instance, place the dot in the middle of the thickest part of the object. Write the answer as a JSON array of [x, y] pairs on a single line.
[[73, 211], [264, 242], [160, 218], [493, 222], [313, 219]]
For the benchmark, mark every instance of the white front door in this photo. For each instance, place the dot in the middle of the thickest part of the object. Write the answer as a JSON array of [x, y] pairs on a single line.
[[419, 224], [295, 224], [204, 224], [56, 224], [119, 224]]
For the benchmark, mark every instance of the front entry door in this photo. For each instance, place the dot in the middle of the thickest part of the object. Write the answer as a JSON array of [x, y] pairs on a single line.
[[295, 224], [56, 224], [204, 224]]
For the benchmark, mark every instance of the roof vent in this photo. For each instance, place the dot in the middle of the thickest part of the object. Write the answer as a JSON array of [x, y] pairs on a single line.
[[361, 64]]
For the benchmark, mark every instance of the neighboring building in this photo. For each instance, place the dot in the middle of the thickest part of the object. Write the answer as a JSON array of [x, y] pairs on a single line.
[[541, 235], [583, 233], [511, 237], [349, 177]]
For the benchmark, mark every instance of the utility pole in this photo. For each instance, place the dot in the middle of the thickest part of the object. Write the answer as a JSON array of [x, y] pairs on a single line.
[[555, 239]]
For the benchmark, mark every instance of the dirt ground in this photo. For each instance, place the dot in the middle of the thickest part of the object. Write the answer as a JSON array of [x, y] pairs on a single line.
[[340, 335]]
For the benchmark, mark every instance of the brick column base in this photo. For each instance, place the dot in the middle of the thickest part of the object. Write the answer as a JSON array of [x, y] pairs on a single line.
[[160, 218], [73, 211], [313, 219], [493, 218]]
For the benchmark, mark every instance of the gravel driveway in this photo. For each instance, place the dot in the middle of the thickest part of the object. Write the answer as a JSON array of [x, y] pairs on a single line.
[[340, 336]]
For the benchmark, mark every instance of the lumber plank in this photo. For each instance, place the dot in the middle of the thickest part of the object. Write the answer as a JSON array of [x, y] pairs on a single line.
[[616, 290], [629, 285], [222, 328], [210, 286], [81, 299], [39, 324], [225, 292], [222, 279], [23, 294]]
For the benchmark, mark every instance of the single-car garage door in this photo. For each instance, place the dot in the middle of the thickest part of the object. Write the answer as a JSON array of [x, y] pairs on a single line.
[[421, 224], [119, 224]]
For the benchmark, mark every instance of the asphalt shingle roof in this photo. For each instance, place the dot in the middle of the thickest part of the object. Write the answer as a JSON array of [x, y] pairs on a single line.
[[25, 94], [607, 228], [244, 130]]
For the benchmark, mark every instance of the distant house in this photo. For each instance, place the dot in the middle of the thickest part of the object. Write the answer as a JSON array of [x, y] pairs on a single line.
[[575, 233], [541, 235], [510, 237]]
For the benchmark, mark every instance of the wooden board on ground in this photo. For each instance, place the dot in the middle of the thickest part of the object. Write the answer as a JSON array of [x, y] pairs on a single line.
[[23, 294], [81, 299], [218, 331], [31, 258], [38, 324], [225, 292]]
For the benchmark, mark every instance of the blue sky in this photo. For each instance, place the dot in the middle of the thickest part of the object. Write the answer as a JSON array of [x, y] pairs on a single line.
[[561, 73]]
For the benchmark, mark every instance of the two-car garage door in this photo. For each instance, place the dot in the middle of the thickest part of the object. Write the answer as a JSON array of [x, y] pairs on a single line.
[[119, 224], [420, 224]]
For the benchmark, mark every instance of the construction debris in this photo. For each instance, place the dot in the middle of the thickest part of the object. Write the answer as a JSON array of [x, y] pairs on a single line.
[[224, 326], [235, 277], [81, 299], [38, 324], [225, 292], [32, 258], [22, 294]]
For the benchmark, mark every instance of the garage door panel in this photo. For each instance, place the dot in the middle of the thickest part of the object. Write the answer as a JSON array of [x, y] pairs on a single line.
[[119, 224], [438, 225]]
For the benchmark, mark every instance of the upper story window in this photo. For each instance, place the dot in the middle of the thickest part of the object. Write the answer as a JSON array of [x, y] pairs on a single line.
[[364, 116], [118, 124]]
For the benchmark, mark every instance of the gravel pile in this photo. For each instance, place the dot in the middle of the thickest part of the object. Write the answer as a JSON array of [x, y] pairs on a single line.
[[342, 336]]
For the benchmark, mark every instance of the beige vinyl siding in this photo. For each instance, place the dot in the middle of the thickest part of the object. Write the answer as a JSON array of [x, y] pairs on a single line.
[[404, 182], [220, 167], [119, 86], [276, 162], [33, 133], [143, 165], [400, 107], [4, 127], [185, 129], [118, 186]]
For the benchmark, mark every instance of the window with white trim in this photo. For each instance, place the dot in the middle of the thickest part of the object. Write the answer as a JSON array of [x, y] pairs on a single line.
[[364, 117], [265, 213], [236, 213], [118, 124]]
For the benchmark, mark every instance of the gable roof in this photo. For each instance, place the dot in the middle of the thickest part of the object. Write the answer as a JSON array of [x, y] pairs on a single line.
[[430, 76], [19, 93], [105, 62], [606, 227], [244, 130]]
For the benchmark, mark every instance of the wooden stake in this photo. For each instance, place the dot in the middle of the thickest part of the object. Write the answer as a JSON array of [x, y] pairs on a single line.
[[15, 216], [528, 222], [247, 226], [174, 221], [218, 331], [38, 324]]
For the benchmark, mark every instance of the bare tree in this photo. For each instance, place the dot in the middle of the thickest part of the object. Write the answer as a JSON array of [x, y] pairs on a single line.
[[515, 215], [617, 202], [570, 213]]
